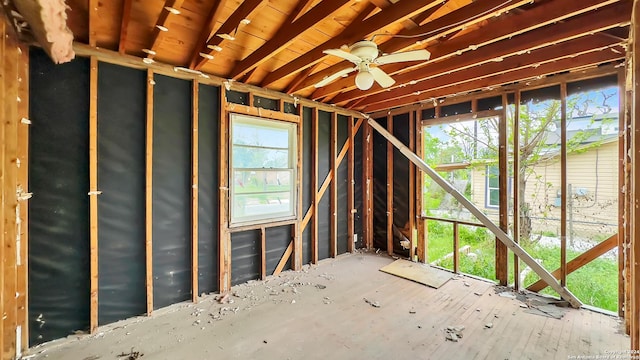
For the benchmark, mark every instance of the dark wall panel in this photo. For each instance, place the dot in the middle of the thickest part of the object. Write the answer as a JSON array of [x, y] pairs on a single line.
[[324, 224], [245, 256], [342, 209], [380, 188], [121, 206], [358, 161], [342, 131], [400, 179], [324, 146], [306, 245], [307, 153], [59, 208], [171, 191], [266, 103], [208, 129], [277, 240]]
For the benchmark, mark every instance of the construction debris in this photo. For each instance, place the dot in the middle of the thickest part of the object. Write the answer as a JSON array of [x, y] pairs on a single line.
[[132, 355], [454, 333], [375, 304], [488, 325]]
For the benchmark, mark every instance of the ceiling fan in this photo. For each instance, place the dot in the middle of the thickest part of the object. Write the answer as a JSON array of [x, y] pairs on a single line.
[[365, 53]]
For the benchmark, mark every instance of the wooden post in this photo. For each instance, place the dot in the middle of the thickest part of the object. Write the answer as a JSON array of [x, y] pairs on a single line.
[[194, 189], [367, 175], [5, 112], [456, 247], [333, 226], [563, 184], [623, 187], [635, 177], [422, 223], [314, 186], [390, 188], [497, 231], [516, 187], [297, 227], [350, 186], [412, 189], [263, 253], [224, 245], [149, 193], [93, 191], [501, 250]]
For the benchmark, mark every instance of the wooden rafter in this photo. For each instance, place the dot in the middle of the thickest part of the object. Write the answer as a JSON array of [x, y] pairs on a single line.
[[124, 25], [288, 32], [229, 26], [435, 29], [534, 59], [206, 31], [506, 37], [156, 37], [355, 31], [489, 81]]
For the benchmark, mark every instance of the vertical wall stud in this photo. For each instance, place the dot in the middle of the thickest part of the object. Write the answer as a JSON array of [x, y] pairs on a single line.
[[501, 249], [623, 187], [314, 186], [263, 253], [412, 188], [516, 187], [350, 186], [297, 229], [422, 231], [224, 250], [390, 188], [93, 188], [563, 184], [149, 193], [194, 190], [333, 226], [367, 175]]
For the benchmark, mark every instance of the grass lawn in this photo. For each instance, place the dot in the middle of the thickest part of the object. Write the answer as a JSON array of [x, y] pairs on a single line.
[[594, 284]]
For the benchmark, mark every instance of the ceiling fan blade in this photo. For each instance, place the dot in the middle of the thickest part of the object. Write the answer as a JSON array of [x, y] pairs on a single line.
[[343, 54], [333, 77], [381, 77], [413, 55]]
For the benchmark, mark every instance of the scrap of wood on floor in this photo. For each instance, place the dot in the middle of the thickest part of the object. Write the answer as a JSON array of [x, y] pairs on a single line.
[[420, 273]]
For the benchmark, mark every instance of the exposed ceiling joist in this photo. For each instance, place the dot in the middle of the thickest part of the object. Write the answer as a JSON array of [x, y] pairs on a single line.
[[490, 81], [124, 25], [229, 27], [396, 12], [286, 34], [161, 24], [437, 28], [576, 27], [206, 31]]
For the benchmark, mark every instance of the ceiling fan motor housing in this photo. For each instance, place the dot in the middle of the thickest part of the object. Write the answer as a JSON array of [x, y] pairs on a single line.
[[365, 49]]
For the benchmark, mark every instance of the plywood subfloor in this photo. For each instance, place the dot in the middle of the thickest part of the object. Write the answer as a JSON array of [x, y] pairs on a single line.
[[420, 273], [320, 313]]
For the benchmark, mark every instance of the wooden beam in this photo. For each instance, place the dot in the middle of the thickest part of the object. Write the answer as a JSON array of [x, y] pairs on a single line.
[[285, 35], [390, 169], [533, 60], [554, 66], [5, 112], [396, 12], [229, 27], [502, 260], [298, 255], [502, 236], [333, 201], [194, 189], [149, 193], [412, 188], [421, 246], [263, 253], [284, 259], [207, 29], [368, 185], [224, 244], [93, 192], [350, 186], [516, 186], [563, 184], [157, 34], [461, 117], [498, 40], [579, 261], [124, 26], [634, 70], [48, 23], [623, 189], [314, 185]]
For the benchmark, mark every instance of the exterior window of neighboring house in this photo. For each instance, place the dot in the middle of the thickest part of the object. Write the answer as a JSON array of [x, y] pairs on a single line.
[[492, 187], [262, 170]]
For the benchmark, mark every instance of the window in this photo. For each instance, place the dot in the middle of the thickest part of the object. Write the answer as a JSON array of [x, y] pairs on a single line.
[[493, 187], [263, 173]]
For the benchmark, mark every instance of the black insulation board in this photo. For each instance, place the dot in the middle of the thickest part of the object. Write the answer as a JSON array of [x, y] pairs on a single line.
[[342, 131], [121, 206], [400, 179], [277, 240], [342, 217], [237, 97], [358, 161], [171, 191], [307, 191], [59, 209], [245, 256], [290, 108], [266, 103], [208, 130], [380, 188], [324, 146], [324, 224]]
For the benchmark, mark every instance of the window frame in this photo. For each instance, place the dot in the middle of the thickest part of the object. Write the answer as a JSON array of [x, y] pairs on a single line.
[[488, 188], [292, 149]]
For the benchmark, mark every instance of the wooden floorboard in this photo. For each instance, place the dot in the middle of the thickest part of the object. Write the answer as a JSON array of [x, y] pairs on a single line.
[[321, 313]]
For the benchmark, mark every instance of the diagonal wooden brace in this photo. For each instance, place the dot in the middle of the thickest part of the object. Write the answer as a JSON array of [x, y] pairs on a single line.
[[499, 233]]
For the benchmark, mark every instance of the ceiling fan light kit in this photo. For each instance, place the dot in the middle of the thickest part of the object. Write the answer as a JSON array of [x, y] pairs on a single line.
[[365, 53]]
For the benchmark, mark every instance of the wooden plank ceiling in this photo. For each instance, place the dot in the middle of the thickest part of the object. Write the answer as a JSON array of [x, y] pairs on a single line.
[[474, 45]]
